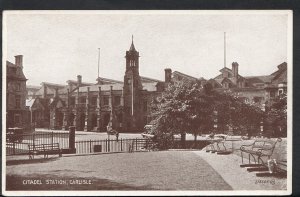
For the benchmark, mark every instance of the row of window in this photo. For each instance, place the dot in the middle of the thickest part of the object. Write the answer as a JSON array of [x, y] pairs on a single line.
[[93, 100]]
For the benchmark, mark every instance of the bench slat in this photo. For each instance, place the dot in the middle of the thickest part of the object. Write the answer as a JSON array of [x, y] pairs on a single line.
[[44, 149]]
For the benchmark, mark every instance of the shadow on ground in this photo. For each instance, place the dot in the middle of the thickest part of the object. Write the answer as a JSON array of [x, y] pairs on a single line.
[[29, 161], [15, 183]]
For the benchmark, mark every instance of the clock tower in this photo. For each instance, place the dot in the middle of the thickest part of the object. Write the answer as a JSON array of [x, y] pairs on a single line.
[[131, 92]]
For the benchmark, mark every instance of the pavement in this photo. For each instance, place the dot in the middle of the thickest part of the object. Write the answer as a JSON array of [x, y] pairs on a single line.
[[228, 166], [161, 170]]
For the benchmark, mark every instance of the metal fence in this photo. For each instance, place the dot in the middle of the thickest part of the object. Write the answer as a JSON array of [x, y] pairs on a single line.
[[18, 143], [121, 145], [128, 145]]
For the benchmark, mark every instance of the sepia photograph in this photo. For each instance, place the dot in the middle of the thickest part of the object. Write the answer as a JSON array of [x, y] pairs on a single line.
[[147, 102]]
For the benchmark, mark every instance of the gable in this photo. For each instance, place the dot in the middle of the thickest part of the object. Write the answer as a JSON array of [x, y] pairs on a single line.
[[225, 69], [57, 103], [37, 104], [226, 80]]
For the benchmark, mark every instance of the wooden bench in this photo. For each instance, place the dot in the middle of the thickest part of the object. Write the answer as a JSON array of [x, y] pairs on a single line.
[[44, 149], [261, 147]]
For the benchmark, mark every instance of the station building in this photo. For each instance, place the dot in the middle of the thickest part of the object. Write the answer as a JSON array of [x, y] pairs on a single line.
[[125, 105]]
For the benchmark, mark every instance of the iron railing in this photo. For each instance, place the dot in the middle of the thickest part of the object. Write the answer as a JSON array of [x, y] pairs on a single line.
[[121, 145], [18, 143]]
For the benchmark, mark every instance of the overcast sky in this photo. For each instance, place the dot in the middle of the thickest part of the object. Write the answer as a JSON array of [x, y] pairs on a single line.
[[58, 47]]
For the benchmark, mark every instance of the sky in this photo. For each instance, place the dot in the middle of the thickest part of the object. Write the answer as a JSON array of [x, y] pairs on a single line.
[[58, 46]]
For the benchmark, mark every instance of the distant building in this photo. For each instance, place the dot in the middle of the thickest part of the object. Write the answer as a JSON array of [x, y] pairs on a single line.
[[257, 90], [31, 90], [92, 107], [17, 114], [125, 105]]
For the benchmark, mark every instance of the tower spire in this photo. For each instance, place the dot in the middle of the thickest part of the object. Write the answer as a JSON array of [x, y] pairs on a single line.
[[132, 48]]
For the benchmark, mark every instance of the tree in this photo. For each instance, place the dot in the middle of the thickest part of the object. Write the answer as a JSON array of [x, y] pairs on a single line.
[[191, 108], [276, 117]]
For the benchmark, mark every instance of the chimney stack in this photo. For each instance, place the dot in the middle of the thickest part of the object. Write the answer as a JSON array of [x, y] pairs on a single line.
[[19, 60], [168, 75], [79, 80], [45, 91], [235, 70]]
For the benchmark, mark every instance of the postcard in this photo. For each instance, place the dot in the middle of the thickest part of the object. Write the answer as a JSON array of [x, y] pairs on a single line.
[[147, 102]]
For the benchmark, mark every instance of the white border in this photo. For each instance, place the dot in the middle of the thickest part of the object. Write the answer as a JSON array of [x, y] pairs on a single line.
[[157, 193]]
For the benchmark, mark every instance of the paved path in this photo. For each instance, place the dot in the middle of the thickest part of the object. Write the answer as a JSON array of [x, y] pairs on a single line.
[[228, 166], [165, 170]]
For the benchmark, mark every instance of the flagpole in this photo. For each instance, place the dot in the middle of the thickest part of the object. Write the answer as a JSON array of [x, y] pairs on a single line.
[[98, 61], [224, 49]]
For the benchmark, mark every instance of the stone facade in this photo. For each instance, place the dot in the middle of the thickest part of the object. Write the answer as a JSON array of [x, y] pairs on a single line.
[[17, 114], [124, 105]]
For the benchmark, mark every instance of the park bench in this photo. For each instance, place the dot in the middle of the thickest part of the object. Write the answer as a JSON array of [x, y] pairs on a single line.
[[218, 145], [261, 147], [44, 149]]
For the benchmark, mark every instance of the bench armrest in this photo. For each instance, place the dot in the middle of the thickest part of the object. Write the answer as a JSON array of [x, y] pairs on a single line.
[[243, 146]]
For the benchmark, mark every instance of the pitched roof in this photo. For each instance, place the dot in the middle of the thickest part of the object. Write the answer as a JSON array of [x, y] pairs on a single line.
[[54, 101], [33, 87], [184, 75], [53, 84], [51, 88], [259, 79], [108, 81], [149, 80], [226, 80], [280, 78], [44, 102], [76, 82], [15, 75], [225, 69], [281, 67], [214, 82], [8, 63]]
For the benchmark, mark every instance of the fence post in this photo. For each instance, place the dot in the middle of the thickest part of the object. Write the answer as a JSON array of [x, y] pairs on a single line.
[[136, 140], [108, 145], [14, 148], [72, 148], [33, 140], [121, 145], [90, 146], [52, 138]]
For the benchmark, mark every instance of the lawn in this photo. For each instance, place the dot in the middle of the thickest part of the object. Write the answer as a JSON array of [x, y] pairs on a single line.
[[165, 170]]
